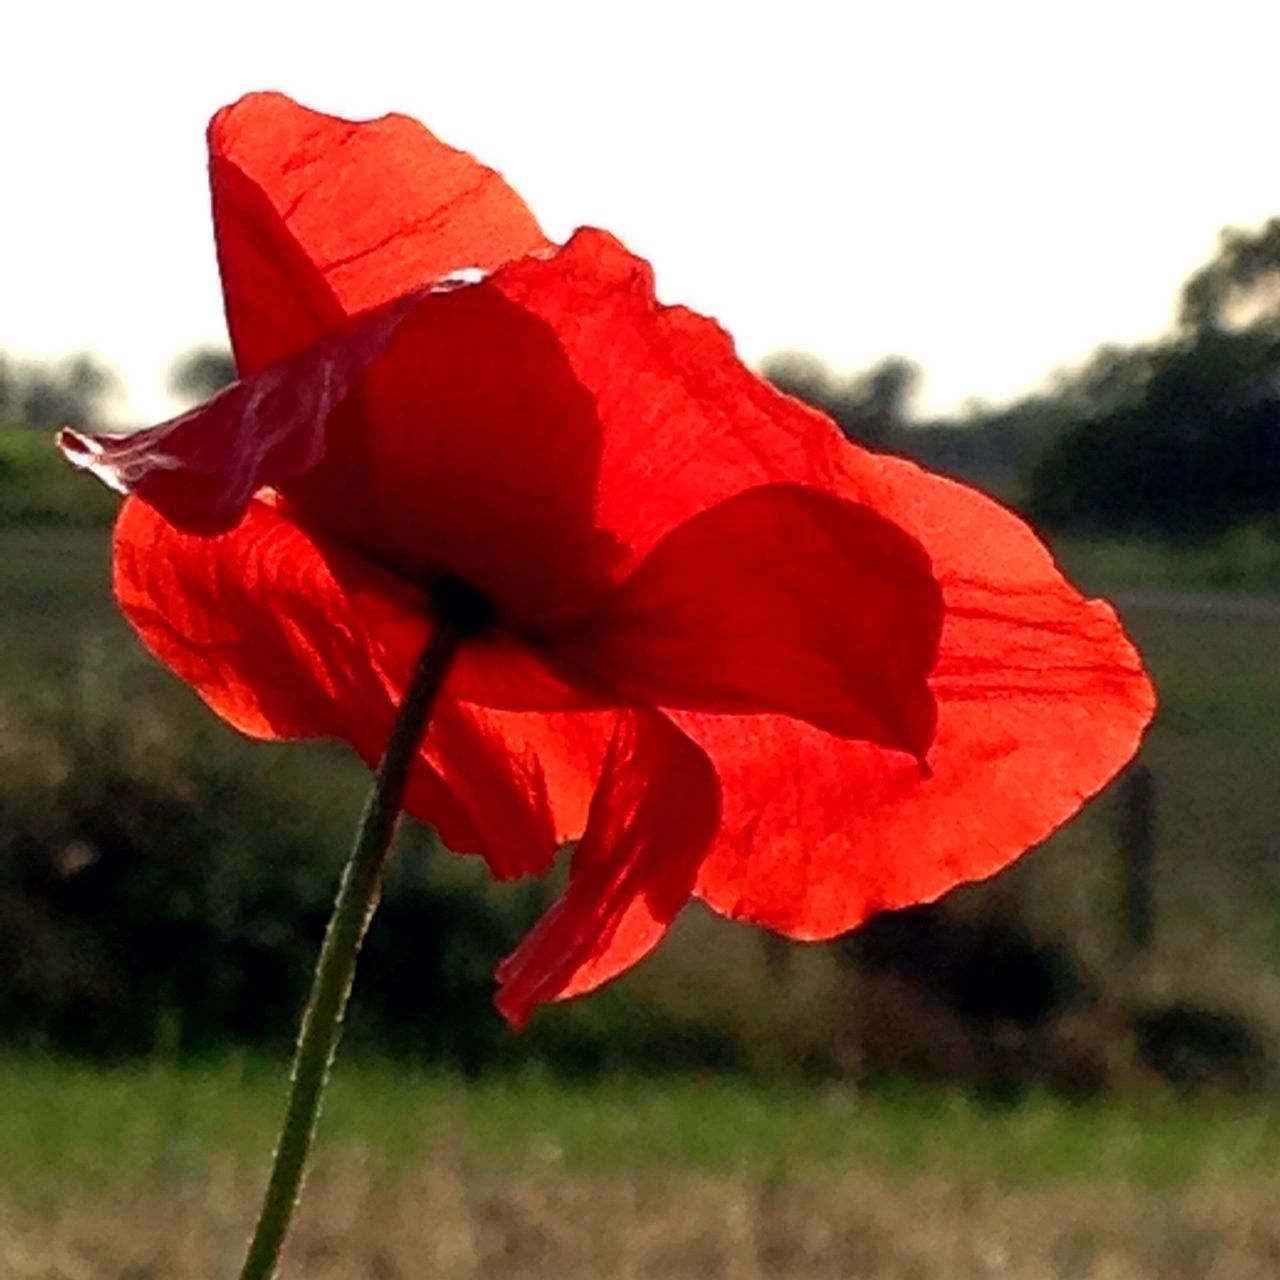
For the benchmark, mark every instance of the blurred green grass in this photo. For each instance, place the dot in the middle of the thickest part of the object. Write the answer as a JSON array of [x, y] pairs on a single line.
[[65, 1125], [1245, 559], [38, 489]]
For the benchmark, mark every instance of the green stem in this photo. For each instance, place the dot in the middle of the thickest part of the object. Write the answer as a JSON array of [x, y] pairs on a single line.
[[352, 910]]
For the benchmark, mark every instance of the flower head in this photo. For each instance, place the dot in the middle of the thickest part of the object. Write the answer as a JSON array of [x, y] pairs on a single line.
[[728, 653]]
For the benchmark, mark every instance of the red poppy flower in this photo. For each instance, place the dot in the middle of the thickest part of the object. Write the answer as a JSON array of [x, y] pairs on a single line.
[[732, 655]]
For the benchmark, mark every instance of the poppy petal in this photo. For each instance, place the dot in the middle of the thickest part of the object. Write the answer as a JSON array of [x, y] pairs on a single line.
[[295, 224], [470, 448], [1041, 699], [779, 599], [318, 218], [267, 629], [652, 819], [286, 637], [684, 423], [541, 431], [524, 780]]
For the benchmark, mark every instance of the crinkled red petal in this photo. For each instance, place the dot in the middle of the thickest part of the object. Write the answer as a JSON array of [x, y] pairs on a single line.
[[780, 599], [286, 636], [518, 774], [269, 630], [471, 448], [654, 814], [540, 432], [1041, 699], [681, 423], [319, 218], [684, 423]]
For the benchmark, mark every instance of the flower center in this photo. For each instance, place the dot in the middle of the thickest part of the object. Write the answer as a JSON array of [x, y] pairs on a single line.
[[456, 603]]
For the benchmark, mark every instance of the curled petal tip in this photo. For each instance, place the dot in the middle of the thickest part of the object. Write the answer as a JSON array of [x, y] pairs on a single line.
[[88, 454], [201, 469]]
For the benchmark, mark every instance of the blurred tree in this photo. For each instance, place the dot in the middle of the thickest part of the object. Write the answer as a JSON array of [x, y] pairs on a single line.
[[987, 447], [1240, 287], [891, 384], [69, 392], [1114, 377], [869, 407], [8, 390], [1179, 438], [799, 374], [201, 373], [152, 886], [1197, 452]]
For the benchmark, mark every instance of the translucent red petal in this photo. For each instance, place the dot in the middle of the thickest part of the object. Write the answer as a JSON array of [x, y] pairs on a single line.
[[318, 218], [1041, 699], [653, 815], [780, 599], [287, 636], [539, 433]]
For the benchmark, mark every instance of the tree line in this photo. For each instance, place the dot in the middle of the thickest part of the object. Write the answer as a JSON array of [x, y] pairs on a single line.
[[1178, 438], [77, 391]]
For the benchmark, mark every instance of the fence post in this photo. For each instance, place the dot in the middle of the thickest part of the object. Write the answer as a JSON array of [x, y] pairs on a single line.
[[1136, 835]]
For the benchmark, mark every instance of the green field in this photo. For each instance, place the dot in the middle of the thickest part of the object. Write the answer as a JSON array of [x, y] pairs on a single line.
[[1245, 560], [70, 1125], [153, 1172]]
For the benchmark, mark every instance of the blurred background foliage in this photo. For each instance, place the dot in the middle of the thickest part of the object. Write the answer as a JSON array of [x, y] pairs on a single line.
[[164, 883]]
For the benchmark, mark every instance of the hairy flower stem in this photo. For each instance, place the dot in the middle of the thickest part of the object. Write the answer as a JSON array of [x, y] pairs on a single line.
[[331, 985]]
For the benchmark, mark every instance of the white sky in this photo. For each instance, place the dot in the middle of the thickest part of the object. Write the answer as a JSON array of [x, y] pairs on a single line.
[[989, 188]]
